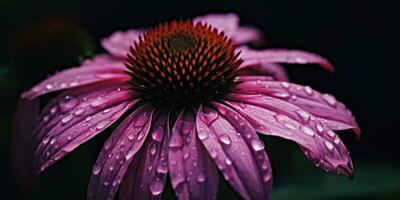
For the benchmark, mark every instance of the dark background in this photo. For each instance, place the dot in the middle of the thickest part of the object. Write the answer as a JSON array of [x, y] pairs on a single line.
[[359, 37]]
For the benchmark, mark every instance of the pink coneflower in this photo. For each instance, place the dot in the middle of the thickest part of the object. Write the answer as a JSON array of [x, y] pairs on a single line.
[[194, 102]]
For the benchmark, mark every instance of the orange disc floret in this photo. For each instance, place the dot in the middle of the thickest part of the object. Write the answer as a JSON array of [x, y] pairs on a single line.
[[182, 62]]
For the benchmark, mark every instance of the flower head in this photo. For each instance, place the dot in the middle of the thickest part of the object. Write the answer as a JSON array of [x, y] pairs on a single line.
[[196, 102]]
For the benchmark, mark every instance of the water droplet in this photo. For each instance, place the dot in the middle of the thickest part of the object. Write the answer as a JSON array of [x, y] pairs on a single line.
[[319, 127], [49, 86], [202, 135], [308, 90], [73, 84], [88, 118], [281, 95], [331, 133], [304, 115], [329, 99], [307, 130], [228, 161], [213, 153], [106, 110], [129, 154], [111, 168], [131, 136], [225, 139], [140, 136], [156, 186], [53, 140], [329, 145], [266, 178], [153, 148], [69, 137], [336, 140], [79, 112], [67, 103], [46, 140], [257, 144], [201, 177], [97, 168], [285, 84], [163, 167], [67, 118], [158, 134], [97, 102], [53, 110], [102, 125]]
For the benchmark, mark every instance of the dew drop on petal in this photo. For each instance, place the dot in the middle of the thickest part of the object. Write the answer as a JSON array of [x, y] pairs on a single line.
[[129, 154], [307, 130], [79, 112], [153, 148], [319, 127], [328, 145], [225, 139], [308, 90], [158, 134], [156, 186], [102, 125], [329, 99], [331, 133], [67, 118], [49, 86], [304, 115], [201, 177], [97, 168], [67, 103], [131, 136], [285, 84], [213, 153], [257, 144], [202, 135], [228, 161]]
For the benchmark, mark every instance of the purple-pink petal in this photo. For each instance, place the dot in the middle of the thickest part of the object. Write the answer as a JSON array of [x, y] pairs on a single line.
[[102, 59], [76, 116], [276, 71], [224, 138], [22, 145], [276, 118], [147, 173], [334, 114], [76, 77], [252, 57], [119, 42], [193, 174], [229, 24], [118, 151]]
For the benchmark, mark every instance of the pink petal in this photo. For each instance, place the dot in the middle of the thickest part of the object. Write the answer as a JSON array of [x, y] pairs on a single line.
[[276, 71], [193, 174], [245, 34], [117, 154], [224, 138], [276, 118], [75, 77], [324, 106], [76, 116], [119, 42], [253, 57], [102, 59], [22, 145], [147, 174], [229, 24]]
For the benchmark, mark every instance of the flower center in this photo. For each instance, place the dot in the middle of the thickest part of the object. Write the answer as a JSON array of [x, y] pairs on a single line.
[[182, 63]]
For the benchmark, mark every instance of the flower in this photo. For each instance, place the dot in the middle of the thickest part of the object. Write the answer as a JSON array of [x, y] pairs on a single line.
[[194, 102]]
